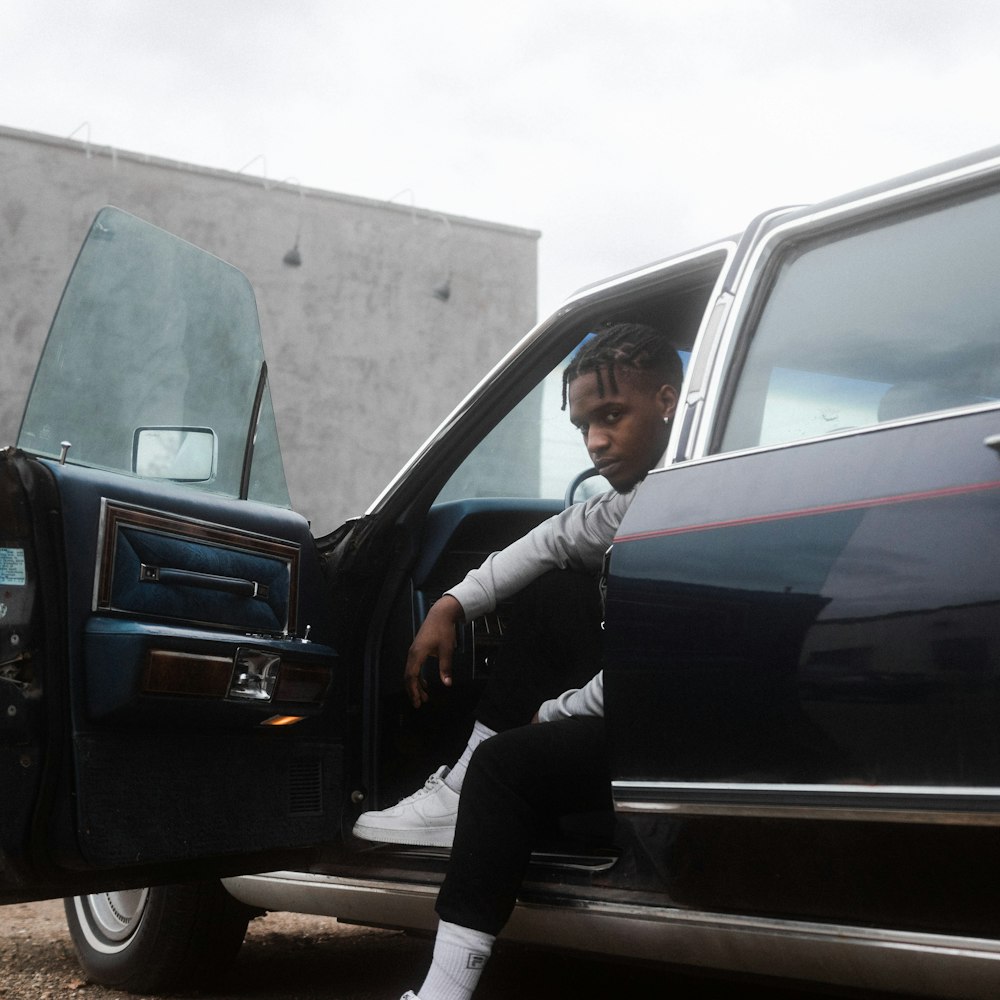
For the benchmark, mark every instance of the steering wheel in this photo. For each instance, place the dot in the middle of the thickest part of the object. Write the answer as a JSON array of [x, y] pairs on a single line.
[[575, 483]]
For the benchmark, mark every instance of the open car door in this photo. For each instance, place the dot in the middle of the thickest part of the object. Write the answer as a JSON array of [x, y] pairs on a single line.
[[170, 701]]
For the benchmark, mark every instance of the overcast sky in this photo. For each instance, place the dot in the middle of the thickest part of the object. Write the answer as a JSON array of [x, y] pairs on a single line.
[[624, 130]]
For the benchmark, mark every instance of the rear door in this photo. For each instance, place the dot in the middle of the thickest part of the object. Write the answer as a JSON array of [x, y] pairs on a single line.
[[171, 702], [803, 625]]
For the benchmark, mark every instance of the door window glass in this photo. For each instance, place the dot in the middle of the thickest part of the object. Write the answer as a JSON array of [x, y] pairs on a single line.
[[534, 452], [154, 337], [877, 324]]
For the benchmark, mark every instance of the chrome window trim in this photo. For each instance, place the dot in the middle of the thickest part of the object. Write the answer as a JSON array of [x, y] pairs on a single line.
[[919, 418], [868, 957], [946, 805], [703, 355], [741, 259], [727, 247], [908, 194]]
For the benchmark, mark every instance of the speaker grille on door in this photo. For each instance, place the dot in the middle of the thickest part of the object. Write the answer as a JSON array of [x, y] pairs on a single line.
[[305, 787]]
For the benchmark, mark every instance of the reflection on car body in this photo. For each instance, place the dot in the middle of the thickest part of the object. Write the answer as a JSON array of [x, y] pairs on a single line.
[[803, 657]]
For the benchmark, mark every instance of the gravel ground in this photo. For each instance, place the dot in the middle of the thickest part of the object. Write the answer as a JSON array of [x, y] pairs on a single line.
[[36, 958], [285, 957]]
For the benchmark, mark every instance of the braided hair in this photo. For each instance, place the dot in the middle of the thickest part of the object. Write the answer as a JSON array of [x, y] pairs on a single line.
[[632, 346]]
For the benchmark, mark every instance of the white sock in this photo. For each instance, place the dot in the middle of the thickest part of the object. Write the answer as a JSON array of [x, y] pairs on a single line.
[[460, 955], [456, 776]]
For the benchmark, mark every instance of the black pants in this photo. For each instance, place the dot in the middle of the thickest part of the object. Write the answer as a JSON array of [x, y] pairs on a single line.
[[553, 644], [519, 783]]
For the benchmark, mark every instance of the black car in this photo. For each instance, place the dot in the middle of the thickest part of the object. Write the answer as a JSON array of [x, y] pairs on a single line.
[[802, 669]]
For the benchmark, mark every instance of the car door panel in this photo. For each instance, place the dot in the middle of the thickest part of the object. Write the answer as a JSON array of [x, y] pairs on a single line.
[[803, 659], [766, 595], [171, 756], [171, 699]]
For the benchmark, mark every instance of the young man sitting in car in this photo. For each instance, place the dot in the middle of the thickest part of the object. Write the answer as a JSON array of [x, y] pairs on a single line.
[[622, 389]]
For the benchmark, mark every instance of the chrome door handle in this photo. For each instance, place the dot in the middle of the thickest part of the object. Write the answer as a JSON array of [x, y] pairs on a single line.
[[208, 581]]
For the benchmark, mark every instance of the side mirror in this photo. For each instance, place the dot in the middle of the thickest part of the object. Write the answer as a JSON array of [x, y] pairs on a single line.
[[180, 454]]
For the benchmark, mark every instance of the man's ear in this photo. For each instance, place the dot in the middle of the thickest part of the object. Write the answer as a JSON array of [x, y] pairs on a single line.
[[666, 397]]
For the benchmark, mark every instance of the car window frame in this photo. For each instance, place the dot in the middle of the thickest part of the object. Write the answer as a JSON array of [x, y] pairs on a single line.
[[541, 349], [760, 257]]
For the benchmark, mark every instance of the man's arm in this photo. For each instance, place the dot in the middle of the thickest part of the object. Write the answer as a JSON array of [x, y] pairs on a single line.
[[588, 700], [575, 538], [436, 637]]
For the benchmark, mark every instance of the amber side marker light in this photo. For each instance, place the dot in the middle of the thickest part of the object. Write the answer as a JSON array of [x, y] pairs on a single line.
[[282, 720]]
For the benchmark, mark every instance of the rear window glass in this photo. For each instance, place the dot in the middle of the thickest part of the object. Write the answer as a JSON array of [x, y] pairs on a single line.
[[893, 321]]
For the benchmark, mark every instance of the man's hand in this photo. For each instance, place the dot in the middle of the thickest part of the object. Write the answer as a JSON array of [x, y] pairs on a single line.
[[436, 637]]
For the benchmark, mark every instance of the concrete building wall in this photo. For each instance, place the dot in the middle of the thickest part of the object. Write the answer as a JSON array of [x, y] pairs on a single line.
[[365, 360]]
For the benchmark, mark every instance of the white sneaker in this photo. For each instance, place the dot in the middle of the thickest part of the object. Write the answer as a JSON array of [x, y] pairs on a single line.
[[424, 819], [409, 995]]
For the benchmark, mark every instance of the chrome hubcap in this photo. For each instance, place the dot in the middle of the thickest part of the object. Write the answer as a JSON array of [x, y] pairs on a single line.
[[116, 914]]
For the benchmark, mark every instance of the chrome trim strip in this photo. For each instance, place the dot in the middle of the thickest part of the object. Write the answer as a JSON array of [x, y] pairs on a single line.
[[102, 543], [841, 813], [727, 247], [749, 237], [842, 954], [919, 418], [700, 366], [853, 803], [925, 791]]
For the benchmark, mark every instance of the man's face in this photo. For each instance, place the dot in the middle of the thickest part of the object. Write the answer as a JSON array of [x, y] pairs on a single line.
[[624, 429]]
